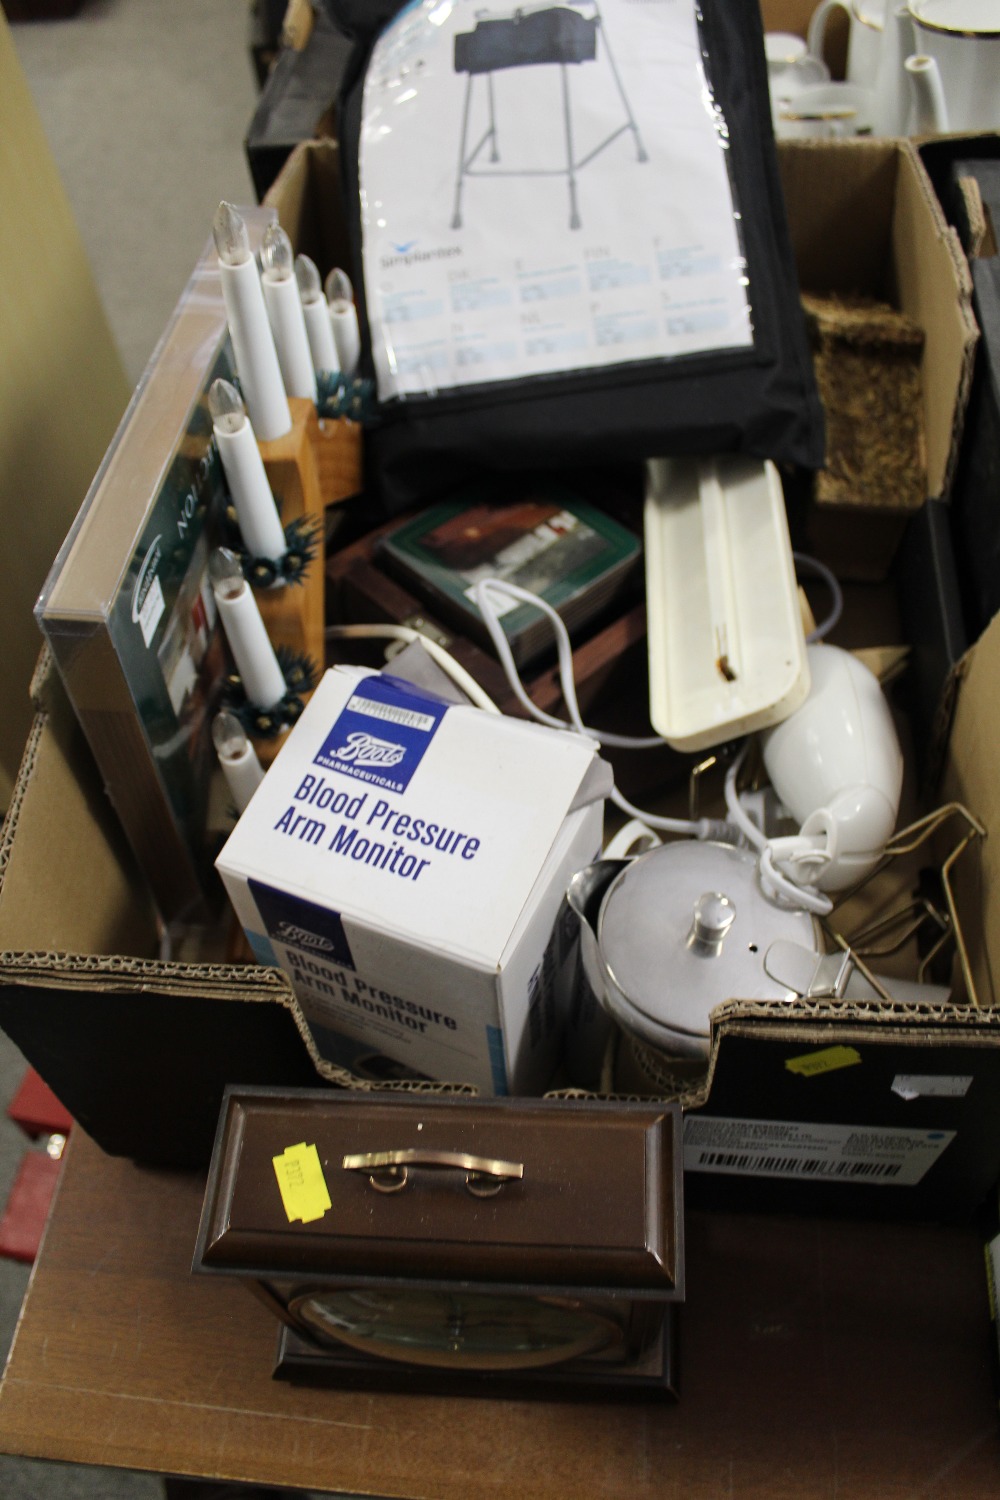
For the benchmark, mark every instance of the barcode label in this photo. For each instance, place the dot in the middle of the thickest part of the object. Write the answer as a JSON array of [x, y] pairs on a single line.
[[827, 1153], [393, 713], [784, 1166]]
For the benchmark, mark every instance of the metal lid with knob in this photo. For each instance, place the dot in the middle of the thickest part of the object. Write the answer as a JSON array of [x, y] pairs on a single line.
[[714, 914], [683, 928]]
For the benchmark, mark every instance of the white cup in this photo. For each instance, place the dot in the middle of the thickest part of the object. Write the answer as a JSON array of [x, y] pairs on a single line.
[[789, 80], [781, 48]]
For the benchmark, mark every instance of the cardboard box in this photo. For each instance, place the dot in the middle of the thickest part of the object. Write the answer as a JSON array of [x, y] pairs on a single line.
[[865, 222], [991, 1246], [140, 1046], [136, 1046], [404, 862], [965, 171], [297, 99]]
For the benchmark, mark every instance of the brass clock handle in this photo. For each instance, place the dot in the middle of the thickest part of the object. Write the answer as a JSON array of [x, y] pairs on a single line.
[[388, 1171]]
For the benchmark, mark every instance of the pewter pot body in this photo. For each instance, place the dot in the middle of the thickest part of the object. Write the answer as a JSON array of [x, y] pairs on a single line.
[[668, 935]]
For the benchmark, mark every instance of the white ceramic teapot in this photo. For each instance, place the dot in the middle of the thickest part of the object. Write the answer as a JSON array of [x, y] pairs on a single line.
[[880, 41], [932, 65], [962, 37]]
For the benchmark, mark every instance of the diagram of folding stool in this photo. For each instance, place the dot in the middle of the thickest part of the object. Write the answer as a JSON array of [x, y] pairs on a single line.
[[552, 35]]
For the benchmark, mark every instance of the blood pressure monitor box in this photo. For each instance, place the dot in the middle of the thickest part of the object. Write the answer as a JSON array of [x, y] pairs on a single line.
[[404, 862]]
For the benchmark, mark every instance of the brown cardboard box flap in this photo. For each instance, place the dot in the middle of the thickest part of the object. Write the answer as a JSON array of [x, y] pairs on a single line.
[[121, 1027], [306, 195], [865, 221], [57, 819], [970, 777]]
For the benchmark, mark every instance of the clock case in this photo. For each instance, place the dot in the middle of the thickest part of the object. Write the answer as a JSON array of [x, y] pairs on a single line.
[[470, 1245]]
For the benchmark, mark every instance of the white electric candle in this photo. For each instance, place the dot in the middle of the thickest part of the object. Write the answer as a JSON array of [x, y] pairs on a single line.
[[284, 309], [263, 680], [344, 320], [237, 757], [253, 343], [260, 526], [319, 328]]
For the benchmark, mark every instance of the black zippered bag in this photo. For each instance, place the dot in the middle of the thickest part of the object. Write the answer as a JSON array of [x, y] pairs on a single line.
[[761, 400]]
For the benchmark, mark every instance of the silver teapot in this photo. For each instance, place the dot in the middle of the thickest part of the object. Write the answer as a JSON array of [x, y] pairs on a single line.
[[668, 935]]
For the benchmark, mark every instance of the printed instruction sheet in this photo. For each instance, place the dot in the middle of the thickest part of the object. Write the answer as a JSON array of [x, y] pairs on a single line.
[[544, 189]]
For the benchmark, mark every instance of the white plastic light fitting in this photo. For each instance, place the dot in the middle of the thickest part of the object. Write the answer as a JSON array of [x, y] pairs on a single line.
[[727, 649]]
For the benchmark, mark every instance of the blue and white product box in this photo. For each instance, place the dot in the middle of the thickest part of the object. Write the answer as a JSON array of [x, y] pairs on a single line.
[[404, 861]]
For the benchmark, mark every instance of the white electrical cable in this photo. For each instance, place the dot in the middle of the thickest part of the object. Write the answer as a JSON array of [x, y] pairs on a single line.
[[481, 597], [633, 837], [462, 679], [701, 828], [801, 849], [735, 808], [772, 879], [814, 901], [821, 570]]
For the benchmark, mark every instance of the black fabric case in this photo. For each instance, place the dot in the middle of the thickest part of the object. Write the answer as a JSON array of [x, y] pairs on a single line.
[[762, 401]]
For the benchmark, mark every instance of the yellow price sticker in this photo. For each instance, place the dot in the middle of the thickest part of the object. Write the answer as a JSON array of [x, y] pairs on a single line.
[[303, 1188], [827, 1061]]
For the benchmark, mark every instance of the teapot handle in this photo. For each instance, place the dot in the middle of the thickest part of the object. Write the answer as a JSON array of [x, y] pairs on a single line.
[[632, 838], [816, 33]]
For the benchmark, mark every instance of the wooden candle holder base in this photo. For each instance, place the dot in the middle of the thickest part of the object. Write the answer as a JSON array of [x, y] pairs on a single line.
[[314, 465]]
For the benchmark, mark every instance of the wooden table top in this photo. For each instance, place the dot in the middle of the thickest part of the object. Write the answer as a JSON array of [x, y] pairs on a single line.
[[819, 1358]]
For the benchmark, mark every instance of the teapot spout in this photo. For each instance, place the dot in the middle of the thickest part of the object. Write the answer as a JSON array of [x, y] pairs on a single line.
[[930, 112], [584, 895]]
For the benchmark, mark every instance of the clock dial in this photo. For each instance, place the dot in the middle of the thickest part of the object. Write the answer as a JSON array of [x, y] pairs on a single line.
[[456, 1330]]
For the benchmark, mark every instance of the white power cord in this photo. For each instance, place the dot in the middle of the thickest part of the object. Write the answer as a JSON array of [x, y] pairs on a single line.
[[799, 848], [634, 837], [481, 594], [700, 828], [813, 565], [444, 659]]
